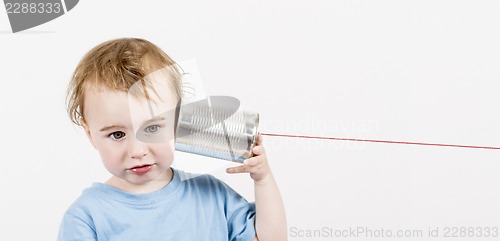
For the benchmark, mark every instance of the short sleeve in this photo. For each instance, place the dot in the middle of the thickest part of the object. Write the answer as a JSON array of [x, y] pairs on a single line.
[[240, 215], [75, 228]]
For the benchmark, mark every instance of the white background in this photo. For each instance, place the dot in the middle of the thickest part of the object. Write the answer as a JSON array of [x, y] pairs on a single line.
[[423, 71]]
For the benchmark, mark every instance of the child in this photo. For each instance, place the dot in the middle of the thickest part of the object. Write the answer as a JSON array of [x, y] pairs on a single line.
[[146, 199]]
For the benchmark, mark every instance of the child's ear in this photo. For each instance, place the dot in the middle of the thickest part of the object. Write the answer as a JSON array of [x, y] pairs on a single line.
[[87, 131]]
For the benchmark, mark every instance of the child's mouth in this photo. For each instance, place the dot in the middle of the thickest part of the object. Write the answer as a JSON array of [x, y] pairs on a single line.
[[141, 169]]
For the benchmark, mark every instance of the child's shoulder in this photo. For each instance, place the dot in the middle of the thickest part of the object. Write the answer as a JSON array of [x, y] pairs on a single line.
[[209, 190], [206, 182], [190, 178]]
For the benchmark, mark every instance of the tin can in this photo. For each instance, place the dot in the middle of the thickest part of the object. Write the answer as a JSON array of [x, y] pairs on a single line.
[[217, 127]]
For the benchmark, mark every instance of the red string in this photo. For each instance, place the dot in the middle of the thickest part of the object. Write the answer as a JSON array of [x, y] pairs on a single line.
[[382, 141]]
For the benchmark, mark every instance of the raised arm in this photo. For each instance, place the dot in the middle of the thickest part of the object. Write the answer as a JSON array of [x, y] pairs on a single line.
[[270, 220]]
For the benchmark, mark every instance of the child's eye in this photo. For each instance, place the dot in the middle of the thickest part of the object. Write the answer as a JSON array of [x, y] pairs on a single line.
[[117, 135], [152, 128]]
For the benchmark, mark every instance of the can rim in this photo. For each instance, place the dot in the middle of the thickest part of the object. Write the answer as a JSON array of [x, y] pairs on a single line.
[[256, 133]]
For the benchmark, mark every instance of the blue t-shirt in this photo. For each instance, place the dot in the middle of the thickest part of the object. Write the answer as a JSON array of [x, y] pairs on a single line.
[[191, 208]]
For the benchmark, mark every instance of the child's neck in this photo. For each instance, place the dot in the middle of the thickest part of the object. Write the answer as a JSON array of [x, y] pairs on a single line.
[[151, 186]]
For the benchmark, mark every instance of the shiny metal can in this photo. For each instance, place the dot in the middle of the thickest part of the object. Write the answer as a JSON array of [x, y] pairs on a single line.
[[217, 127]]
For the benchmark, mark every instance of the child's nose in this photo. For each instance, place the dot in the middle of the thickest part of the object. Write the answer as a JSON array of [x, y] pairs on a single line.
[[137, 149]]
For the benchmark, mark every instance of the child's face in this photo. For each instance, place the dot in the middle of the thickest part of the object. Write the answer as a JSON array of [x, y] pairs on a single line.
[[135, 140]]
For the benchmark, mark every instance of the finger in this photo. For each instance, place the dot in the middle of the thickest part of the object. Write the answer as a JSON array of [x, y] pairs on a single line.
[[237, 169], [253, 161], [255, 167], [258, 150]]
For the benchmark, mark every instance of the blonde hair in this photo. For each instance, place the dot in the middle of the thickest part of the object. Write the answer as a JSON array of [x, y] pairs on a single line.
[[117, 65]]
